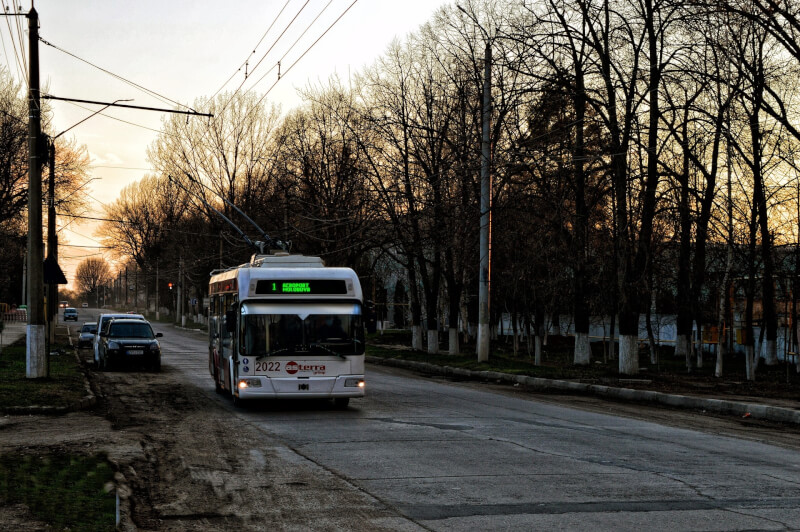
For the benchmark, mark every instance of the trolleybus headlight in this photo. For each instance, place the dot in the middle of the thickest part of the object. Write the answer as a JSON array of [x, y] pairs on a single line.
[[249, 383], [353, 383]]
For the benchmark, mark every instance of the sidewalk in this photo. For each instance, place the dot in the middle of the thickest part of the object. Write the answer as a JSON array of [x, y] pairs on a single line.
[[760, 408]]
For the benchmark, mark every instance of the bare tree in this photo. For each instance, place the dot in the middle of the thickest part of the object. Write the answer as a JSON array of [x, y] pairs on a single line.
[[91, 274], [229, 156]]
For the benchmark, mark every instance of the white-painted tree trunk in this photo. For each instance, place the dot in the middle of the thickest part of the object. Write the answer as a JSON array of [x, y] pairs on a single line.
[[452, 341], [699, 347], [771, 353], [629, 354], [682, 348], [416, 337], [36, 356], [583, 349], [721, 348], [433, 342], [750, 362]]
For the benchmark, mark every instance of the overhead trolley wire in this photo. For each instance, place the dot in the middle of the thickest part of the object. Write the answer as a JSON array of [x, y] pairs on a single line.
[[239, 88], [295, 42], [256, 106], [254, 50], [276, 41], [309, 48]]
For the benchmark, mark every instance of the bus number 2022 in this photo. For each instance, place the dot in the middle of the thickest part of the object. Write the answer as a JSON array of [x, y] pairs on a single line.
[[268, 366]]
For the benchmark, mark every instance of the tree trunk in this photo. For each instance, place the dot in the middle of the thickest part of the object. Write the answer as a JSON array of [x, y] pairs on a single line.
[[629, 354]]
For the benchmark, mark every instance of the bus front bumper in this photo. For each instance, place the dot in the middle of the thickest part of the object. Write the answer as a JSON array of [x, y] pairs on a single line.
[[261, 387]]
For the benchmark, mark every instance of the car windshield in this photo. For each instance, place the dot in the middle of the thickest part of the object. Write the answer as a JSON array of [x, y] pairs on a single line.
[[289, 333], [130, 330], [89, 329]]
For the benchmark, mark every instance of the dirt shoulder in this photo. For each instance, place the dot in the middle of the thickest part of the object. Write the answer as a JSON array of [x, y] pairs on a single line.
[[186, 462]]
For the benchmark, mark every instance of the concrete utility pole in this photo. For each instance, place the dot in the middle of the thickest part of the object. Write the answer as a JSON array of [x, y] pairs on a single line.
[[484, 293], [35, 355], [181, 319], [158, 314], [52, 253]]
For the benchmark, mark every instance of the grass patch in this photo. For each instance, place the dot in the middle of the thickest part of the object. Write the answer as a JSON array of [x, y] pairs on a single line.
[[63, 387], [668, 374], [499, 362], [68, 492]]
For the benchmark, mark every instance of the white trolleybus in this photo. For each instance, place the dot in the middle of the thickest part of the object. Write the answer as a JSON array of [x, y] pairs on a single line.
[[286, 326]]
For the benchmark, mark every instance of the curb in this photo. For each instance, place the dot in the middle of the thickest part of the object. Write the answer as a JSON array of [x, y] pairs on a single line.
[[718, 406], [85, 403]]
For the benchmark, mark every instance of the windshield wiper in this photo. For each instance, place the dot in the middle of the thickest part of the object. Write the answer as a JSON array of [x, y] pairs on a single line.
[[324, 348], [276, 352]]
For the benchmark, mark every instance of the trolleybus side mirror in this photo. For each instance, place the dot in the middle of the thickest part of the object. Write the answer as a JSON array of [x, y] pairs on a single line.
[[230, 321]]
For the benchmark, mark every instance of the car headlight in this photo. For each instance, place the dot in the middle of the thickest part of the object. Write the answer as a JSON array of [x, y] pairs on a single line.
[[113, 345]]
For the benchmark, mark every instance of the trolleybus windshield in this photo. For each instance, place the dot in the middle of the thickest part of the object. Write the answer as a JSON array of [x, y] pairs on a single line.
[[299, 333]]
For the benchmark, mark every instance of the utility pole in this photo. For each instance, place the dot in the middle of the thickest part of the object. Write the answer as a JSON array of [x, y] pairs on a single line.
[[36, 357], [181, 319], [484, 292], [158, 316], [52, 245]]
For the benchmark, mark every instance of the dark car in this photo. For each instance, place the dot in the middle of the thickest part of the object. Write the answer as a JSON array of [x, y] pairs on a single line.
[[102, 322], [70, 313], [86, 336], [129, 341]]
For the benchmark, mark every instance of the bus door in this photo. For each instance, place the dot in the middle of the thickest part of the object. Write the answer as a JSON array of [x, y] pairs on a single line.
[[227, 339]]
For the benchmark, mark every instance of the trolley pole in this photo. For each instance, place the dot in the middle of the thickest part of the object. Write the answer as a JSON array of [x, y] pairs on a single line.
[[36, 357]]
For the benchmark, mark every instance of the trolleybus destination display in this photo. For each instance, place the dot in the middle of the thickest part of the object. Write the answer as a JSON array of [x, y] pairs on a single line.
[[294, 286]]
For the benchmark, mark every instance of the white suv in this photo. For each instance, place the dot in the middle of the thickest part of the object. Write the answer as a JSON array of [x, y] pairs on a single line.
[[102, 323]]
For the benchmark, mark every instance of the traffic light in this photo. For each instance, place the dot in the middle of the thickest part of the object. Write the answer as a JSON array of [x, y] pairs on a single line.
[[170, 286]]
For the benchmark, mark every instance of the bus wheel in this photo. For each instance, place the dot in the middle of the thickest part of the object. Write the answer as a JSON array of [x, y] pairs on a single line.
[[236, 401], [341, 402]]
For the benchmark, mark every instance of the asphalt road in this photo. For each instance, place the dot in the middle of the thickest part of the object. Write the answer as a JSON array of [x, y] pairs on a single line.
[[458, 456]]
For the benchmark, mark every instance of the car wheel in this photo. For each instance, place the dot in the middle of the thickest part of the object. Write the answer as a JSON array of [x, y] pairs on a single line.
[[156, 365]]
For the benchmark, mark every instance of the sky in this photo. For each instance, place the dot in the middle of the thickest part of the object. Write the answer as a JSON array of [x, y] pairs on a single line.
[[183, 50]]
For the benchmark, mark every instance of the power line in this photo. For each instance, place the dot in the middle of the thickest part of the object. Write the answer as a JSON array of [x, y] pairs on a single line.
[[87, 247], [191, 112], [95, 218], [19, 62], [131, 83]]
